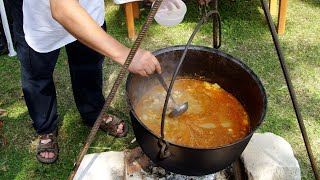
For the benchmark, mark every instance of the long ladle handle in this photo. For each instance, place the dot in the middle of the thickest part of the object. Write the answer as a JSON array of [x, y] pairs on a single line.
[[164, 153], [165, 87]]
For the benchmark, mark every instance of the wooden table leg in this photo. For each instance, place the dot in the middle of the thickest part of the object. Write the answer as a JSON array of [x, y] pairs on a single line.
[[273, 7], [282, 16], [130, 19], [136, 9]]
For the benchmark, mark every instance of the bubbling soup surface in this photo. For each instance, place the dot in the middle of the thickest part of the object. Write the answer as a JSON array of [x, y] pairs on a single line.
[[214, 117]]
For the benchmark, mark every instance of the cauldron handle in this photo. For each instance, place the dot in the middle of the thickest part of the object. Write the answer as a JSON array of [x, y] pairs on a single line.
[[164, 145]]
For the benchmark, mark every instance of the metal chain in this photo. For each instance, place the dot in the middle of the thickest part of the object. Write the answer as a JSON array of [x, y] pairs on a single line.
[[216, 26]]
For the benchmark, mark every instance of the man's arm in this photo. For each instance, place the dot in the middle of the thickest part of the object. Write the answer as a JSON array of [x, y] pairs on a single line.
[[79, 23]]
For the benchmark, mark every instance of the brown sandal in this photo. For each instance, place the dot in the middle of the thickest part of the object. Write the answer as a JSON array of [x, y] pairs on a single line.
[[51, 146], [112, 126]]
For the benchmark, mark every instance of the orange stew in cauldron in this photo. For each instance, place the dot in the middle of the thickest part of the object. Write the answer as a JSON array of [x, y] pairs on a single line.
[[214, 117]]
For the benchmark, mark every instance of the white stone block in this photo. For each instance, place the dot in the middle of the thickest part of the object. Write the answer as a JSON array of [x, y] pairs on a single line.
[[270, 157], [107, 165]]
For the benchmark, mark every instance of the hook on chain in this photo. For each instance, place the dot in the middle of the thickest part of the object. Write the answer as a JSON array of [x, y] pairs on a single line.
[[164, 149]]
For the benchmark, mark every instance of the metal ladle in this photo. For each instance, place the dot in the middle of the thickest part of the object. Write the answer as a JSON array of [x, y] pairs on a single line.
[[178, 110]]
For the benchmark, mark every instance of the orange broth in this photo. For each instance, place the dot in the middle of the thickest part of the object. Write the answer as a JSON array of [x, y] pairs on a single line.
[[214, 117]]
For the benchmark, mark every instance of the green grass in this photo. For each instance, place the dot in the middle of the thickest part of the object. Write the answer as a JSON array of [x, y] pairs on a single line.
[[245, 36]]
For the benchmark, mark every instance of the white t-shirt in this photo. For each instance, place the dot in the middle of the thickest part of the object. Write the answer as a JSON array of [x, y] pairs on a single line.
[[43, 33]]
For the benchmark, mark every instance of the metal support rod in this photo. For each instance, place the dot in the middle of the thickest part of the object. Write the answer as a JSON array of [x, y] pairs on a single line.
[[290, 88], [116, 85], [216, 26]]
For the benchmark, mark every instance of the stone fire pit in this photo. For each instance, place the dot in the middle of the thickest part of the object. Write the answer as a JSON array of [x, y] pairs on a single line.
[[267, 156]]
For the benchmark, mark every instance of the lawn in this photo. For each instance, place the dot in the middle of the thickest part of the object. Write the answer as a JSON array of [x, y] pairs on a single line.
[[245, 35]]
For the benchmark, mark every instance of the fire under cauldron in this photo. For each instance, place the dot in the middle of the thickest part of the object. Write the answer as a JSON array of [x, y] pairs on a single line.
[[213, 66]]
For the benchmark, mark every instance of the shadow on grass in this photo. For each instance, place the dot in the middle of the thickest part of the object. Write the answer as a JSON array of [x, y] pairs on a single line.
[[18, 160], [315, 3], [18, 157]]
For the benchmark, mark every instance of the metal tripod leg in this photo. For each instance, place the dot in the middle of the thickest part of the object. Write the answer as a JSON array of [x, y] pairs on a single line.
[[290, 88]]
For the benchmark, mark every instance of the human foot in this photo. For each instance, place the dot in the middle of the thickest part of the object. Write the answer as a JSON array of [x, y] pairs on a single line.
[[114, 126], [47, 149]]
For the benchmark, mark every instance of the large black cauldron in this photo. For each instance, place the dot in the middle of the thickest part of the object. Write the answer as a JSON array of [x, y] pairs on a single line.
[[213, 66]]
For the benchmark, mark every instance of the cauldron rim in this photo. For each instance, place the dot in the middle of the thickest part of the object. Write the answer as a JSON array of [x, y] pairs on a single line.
[[220, 53]]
